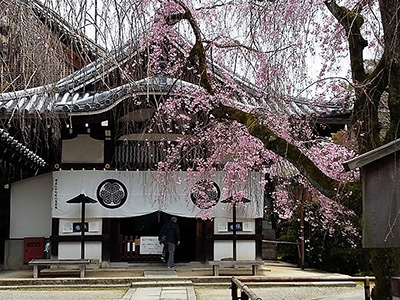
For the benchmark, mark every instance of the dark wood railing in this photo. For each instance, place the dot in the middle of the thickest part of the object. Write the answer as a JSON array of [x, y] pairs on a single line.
[[246, 293]]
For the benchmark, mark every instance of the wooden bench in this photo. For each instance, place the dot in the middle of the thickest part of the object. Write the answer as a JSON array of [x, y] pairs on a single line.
[[37, 263], [233, 263]]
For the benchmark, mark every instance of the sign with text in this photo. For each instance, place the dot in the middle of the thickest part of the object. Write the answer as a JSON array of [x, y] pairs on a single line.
[[150, 245]]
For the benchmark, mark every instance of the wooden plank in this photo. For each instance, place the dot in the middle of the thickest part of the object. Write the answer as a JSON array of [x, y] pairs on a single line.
[[76, 238], [240, 236], [235, 262], [36, 263], [372, 155], [48, 262], [218, 263]]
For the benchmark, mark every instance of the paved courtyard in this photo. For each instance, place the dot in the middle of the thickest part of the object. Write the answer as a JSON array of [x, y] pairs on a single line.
[[193, 281]]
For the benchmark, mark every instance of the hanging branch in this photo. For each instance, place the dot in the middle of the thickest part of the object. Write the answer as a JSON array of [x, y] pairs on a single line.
[[197, 54]]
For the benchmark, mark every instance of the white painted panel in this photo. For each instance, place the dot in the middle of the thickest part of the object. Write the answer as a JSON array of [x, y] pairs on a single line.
[[221, 226], [246, 250], [30, 207], [72, 250], [223, 249], [65, 228], [83, 149]]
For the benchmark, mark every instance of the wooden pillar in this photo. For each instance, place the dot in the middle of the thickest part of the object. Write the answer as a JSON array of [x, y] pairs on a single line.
[[302, 235], [55, 224], [234, 231], [105, 244], [258, 241], [83, 231], [200, 241], [209, 238]]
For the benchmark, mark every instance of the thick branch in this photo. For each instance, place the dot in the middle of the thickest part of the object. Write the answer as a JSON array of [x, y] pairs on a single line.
[[368, 87], [390, 12], [351, 22], [271, 141], [197, 53], [281, 147]]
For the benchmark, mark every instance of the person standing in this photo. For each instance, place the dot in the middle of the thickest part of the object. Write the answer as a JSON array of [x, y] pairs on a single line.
[[170, 236]]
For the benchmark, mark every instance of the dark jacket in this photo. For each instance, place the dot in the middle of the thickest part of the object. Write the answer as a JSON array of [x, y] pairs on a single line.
[[172, 231]]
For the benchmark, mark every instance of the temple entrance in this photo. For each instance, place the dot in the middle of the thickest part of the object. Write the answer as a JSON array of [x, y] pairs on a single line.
[[126, 233]]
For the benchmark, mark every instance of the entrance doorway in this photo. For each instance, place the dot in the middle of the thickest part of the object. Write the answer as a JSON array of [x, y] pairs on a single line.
[[124, 232]]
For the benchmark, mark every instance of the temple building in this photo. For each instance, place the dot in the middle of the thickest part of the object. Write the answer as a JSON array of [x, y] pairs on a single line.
[[90, 138]]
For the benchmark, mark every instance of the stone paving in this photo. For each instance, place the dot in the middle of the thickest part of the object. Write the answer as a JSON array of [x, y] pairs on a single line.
[[161, 293], [153, 281]]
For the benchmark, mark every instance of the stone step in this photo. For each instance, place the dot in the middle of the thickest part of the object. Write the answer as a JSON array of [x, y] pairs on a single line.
[[193, 279], [162, 283], [64, 286]]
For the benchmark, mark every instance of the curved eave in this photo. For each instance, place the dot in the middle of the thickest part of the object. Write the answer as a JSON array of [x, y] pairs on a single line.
[[19, 153], [112, 105], [38, 100]]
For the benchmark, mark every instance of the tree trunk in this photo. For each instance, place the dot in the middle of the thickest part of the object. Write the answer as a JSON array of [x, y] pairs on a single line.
[[386, 264]]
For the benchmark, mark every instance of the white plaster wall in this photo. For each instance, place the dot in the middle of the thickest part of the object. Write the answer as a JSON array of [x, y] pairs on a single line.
[[246, 250], [30, 207], [72, 250]]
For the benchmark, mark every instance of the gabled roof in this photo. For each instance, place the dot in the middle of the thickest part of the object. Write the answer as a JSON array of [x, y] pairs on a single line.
[[65, 30], [371, 156], [66, 95]]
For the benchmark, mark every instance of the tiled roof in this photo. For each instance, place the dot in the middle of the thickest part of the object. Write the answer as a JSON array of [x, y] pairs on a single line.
[[47, 99], [59, 99], [65, 96], [63, 28], [12, 145]]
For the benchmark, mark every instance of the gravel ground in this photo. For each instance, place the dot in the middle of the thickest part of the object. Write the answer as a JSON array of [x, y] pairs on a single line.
[[99, 294], [285, 293], [202, 293]]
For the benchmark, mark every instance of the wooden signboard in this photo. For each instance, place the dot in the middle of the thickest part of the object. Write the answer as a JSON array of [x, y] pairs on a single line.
[[150, 245]]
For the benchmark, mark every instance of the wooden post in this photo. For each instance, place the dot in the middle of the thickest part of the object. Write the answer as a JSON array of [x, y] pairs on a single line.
[[302, 234], [234, 291], [83, 231], [125, 250], [395, 288], [367, 289], [234, 230], [131, 247], [243, 296]]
